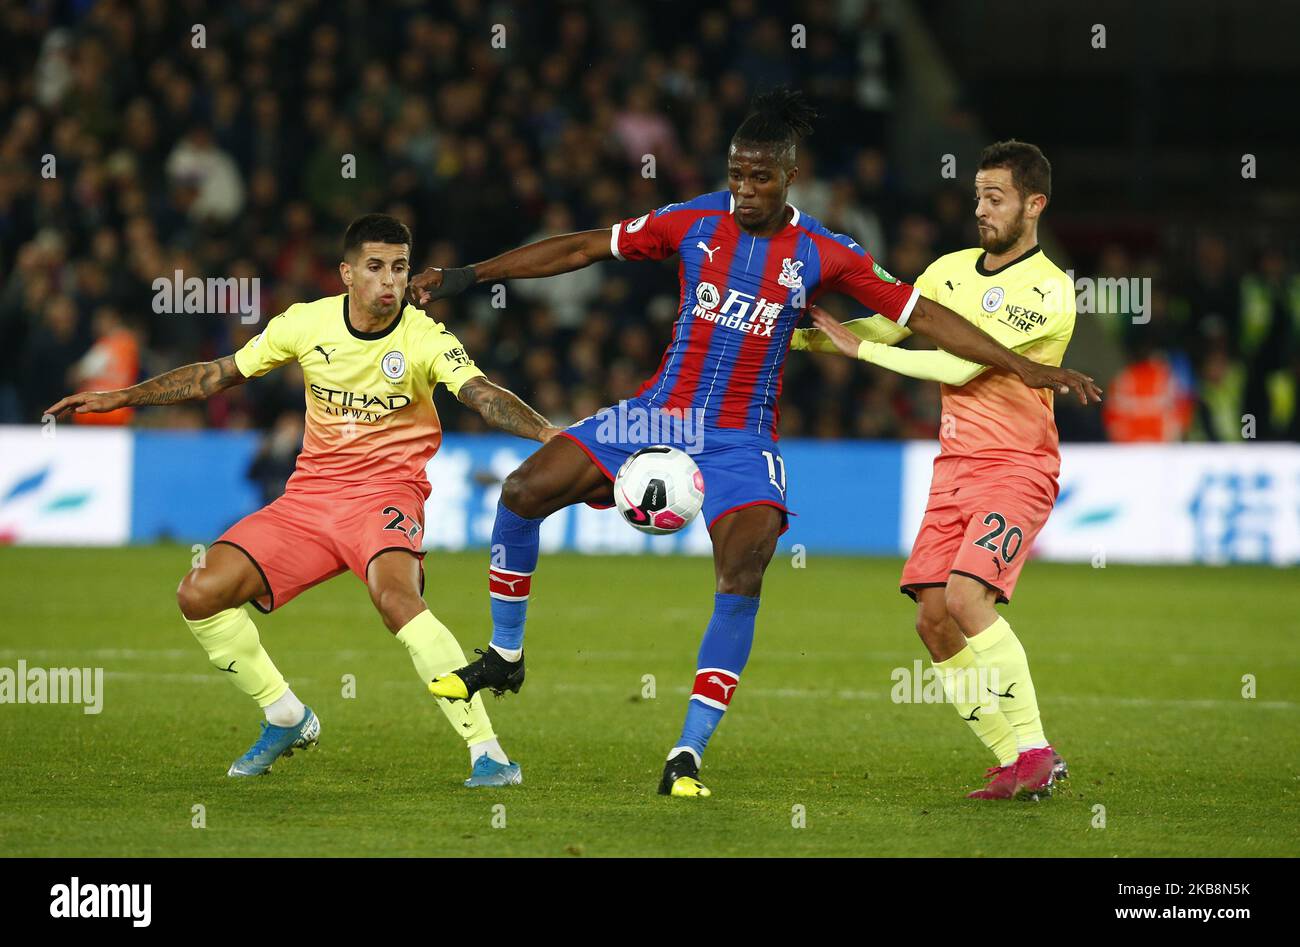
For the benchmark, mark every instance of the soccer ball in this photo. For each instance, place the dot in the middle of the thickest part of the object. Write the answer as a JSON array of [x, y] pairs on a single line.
[[659, 489]]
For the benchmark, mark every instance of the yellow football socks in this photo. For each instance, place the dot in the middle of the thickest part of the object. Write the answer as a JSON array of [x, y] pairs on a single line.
[[964, 688], [434, 650], [997, 647], [230, 638]]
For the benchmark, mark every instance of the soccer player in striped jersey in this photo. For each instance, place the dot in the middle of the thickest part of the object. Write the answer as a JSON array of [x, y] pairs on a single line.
[[995, 479], [750, 264], [356, 499]]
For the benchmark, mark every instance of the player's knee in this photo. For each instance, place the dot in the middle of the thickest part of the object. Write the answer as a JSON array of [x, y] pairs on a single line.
[[396, 605], [744, 581], [519, 495], [930, 623], [196, 596], [967, 606]]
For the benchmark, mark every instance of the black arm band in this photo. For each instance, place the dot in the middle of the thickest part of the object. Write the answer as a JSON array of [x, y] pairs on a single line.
[[455, 281]]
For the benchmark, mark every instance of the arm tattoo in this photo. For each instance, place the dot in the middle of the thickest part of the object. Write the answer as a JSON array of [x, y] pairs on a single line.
[[200, 380], [501, 408]]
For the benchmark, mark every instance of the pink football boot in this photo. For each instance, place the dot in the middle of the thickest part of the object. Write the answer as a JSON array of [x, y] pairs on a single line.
[[1036, 771], [1002, 783]]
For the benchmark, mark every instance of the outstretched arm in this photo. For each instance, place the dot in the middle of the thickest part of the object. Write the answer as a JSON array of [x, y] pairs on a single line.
[[505, 410], [200, 380], [857, 275], [927, 365], [549, 257], [954, 334], [871, 329]]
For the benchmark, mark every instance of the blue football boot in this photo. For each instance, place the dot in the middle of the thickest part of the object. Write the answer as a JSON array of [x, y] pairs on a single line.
[[276, 742], [488, 772]]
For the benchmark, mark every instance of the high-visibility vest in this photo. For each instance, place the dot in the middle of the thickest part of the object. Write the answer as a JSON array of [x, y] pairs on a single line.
[[1146, 402], [1257, 298], [115, 362], [1281, 400], [1222, 402]]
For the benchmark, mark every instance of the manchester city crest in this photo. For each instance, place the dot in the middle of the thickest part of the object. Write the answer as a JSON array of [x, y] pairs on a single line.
[[394, 365]]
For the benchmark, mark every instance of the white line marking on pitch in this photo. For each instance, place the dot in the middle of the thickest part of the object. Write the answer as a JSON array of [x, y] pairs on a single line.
[[783, 693]]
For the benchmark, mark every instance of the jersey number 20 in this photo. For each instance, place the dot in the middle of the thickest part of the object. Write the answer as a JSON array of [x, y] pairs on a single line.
[[1011, 538]]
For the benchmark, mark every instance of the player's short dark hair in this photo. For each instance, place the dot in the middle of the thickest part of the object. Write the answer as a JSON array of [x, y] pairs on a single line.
[[778, 119], [375, 228], [1031, 172]]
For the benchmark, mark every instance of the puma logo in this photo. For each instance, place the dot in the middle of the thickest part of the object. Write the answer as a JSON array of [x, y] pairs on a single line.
[[997, 563], [972, 716], [1007, 694], [726, 688], [229, 668], [509, 582], [326, 354], [1042, 295], [951, 288], [705, 248]]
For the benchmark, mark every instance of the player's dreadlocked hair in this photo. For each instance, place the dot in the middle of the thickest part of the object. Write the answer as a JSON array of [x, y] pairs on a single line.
[[778, 119]]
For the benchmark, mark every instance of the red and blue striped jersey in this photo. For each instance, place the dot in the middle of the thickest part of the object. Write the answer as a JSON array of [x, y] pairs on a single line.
[[741, 297]]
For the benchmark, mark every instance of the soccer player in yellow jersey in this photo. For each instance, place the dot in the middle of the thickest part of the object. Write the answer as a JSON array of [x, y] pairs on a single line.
[[995, 479], [356, 499]]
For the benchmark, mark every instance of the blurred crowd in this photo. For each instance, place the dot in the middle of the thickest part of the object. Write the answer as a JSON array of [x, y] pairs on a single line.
[[145, 138], [1214, 352]]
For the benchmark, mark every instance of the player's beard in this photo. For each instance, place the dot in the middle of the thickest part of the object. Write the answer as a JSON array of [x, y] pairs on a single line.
[[996, 244], [381, 311]]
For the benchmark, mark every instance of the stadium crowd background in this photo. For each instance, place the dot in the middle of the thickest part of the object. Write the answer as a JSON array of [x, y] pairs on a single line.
[[224, 161]]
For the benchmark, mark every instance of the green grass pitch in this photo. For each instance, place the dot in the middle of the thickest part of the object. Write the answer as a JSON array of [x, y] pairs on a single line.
[[1139, 674]]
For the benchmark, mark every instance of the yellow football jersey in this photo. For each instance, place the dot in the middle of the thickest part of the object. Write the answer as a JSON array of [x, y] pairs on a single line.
[[1028, 306], [370, 414]]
